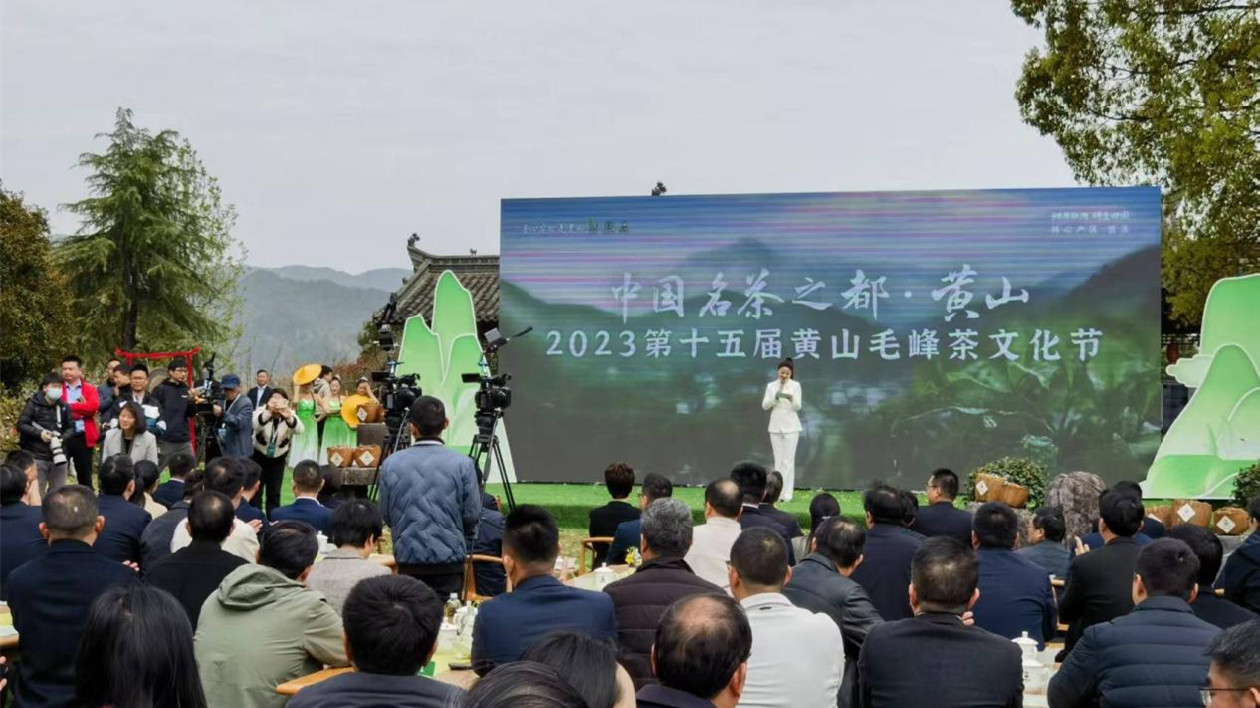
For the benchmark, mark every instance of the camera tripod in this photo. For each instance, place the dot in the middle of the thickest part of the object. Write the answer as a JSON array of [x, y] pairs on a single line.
[[486, 444]]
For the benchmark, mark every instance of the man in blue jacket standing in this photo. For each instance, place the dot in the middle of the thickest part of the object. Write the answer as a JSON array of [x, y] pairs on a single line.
[[431, 501], [237, 420]]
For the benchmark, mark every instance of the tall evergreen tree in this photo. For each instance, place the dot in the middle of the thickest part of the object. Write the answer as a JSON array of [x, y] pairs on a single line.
[[154, 263]]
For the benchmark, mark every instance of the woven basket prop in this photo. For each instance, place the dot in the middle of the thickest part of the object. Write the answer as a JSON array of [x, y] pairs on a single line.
[[1230, 521], [989, 487], [1014, 495], [1189, 511]]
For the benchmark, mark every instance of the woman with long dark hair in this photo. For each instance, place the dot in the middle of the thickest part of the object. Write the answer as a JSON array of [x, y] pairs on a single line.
[[821, 507], [136, 651]]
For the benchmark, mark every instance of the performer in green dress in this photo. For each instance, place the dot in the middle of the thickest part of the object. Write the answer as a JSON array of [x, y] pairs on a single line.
[[310, 410], [337, 432]]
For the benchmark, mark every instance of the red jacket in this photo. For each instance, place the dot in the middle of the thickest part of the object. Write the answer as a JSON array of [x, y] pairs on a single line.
[[85, 410]]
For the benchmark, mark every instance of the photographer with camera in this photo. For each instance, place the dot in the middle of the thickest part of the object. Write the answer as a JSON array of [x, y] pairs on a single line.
[[44, 421], [236, 426], [174, 401], [275, 425]]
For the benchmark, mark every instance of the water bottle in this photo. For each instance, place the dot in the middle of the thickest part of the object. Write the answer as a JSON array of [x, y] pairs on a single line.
[[451, 606]]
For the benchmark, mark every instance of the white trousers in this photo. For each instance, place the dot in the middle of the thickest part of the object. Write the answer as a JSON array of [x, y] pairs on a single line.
[[784, 446]]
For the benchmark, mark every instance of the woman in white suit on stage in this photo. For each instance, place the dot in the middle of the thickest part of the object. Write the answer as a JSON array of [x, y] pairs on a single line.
[[783, 400]]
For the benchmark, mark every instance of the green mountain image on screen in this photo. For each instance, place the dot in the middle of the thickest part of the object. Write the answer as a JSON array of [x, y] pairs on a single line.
[[1218, 432], [441, 353]]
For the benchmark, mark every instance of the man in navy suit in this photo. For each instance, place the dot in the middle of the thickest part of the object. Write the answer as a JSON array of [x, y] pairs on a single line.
[[171, 492], [752, 479], [940, 517], [307, 481], [654, 487], [50, 596], [539, 604], [1015, 594], [124, 520], [248, 511], [885, 570], [20, 539]]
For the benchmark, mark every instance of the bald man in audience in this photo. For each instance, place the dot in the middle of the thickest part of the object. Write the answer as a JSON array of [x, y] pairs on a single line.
[[700, 655]]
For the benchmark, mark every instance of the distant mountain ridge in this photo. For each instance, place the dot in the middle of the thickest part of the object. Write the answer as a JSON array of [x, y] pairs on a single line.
[[387, 279]]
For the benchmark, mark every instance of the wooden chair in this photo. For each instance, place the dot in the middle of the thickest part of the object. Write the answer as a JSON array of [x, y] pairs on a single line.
[[470, 577], [588, 544], [1056, 589]]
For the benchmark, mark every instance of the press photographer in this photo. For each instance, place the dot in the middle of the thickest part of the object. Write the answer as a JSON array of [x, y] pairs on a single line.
[[235, 419], [45, 419]]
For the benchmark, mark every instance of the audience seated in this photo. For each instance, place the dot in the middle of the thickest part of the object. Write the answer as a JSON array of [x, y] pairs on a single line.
[[226, 477], [307, 481], [779, 674], [1150, 529], [26, 462], [700, 655], [604, 520], [1015, 594], [1234, 671], [50, 596], [910, 514], [1241, 577], [20, 539], [588, 665], [391, 629], [1155, 655], [933, 658], [751, 478], [711, 541], [885, 570], [774, 488], [822, 507], [124, 521], [171, 492], [194, 572], [264, 627], [490, 577], [539, 604], [250, 488], [1100, 581], [1206, 605], [356, 529], [330, 493], [430, 500], [1045, 537], [147, 475], [941, 517], [137, 650], [821, 583], [155, 542], [524, 684], [663, 579], [626, 536]]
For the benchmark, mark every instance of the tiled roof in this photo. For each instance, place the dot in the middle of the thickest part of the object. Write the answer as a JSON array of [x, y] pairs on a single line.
[[480, 274]]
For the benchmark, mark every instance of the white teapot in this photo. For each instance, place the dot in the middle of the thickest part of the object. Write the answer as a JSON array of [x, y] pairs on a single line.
[[1035, 674]]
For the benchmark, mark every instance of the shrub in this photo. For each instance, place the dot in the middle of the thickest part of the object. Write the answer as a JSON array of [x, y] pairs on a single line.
[[1247, 485], [1019, 470]]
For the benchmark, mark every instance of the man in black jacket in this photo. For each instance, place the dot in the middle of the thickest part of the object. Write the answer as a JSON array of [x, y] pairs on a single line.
[[45, 416], [1100, 581], [137, 392], [700, 655], [933, 658], [175, 401], [260, 394], [1208, 549], [940, 517], [604, 520], [663, 579], [751, 478], [821, 583], [885, 572], [1156, 655], [155, 542], [124, 520], [192, 573], [1241, 577]]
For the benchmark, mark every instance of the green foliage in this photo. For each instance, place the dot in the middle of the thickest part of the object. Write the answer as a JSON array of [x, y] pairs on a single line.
[[154, 264], [11, 403], [1019, 470], [1247, 485], [1164, 92], [35, 314]]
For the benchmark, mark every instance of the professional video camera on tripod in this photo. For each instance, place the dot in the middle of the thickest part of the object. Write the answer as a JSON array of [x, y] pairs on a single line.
[[492, 398], [397, 392], [206, 395]]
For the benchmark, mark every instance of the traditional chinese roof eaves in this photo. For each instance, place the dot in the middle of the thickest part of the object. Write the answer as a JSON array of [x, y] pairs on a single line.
[[480, 274]]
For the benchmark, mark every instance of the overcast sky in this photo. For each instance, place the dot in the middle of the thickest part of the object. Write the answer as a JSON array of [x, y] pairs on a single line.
[[338, 128]]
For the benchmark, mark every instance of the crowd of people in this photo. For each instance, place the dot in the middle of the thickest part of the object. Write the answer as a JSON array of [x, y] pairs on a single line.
[[195, 592]]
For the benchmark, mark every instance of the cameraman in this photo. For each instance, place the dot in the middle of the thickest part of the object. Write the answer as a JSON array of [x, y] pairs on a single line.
[[236, 426], [174, 400], [44, 421]]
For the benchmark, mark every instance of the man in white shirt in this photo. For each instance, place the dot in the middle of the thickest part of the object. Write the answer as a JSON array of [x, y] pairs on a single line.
[[780, 674], [711, 543], [228, 478]]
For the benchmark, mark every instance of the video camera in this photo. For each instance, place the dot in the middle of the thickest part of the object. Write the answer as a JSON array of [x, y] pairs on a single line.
[[397, 392], [209, 392]]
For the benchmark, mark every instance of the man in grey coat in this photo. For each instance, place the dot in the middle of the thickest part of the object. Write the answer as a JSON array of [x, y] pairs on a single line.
[[431, 500], [236, 420]]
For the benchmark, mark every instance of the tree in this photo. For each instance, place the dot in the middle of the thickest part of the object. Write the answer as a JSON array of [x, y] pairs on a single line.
[[1164, 92], [154, 261], [35, 315]]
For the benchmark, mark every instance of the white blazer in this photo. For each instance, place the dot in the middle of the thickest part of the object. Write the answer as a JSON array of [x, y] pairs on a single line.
[[783, 418]]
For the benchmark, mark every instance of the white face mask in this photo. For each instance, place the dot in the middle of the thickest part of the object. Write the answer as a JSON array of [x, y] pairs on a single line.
[[53, 393]]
